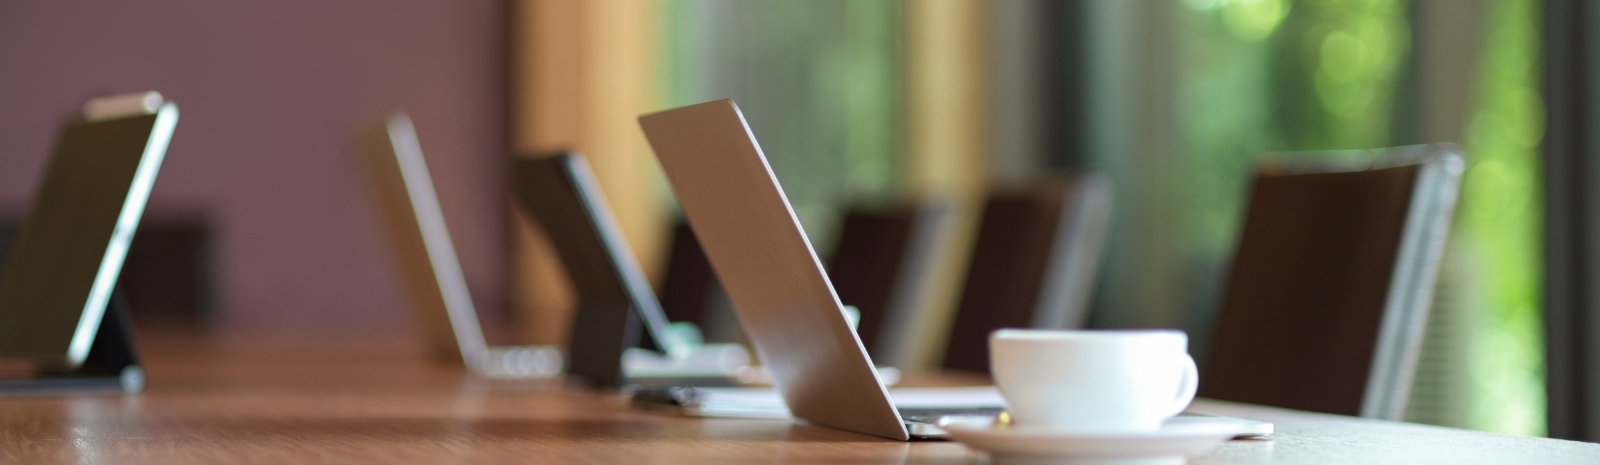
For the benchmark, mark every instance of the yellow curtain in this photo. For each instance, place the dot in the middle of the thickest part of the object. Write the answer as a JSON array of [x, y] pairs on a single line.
[[582, 72], [947, 141]]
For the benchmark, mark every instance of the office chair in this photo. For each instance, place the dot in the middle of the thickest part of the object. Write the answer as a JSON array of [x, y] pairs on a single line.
[[1033, 265], [882, 266], [1330, 287], [689, 280], [690, 291]]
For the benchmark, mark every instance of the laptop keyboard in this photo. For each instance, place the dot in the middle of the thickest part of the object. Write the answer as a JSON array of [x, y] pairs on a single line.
[[932, 415]]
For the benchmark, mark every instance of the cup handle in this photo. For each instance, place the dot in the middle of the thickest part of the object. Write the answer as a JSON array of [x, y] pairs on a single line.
[[1186, 391]]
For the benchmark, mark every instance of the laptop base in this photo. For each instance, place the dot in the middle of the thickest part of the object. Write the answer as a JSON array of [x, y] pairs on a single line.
[[112, 364]]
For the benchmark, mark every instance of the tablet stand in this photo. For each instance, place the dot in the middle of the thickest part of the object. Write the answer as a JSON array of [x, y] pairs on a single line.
[[111, 365]]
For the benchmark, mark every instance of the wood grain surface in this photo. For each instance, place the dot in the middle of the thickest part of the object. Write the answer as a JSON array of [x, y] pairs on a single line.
[[377, 400]]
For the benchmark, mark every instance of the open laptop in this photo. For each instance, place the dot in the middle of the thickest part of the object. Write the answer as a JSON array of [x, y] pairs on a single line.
[[755, 243], [560, 194], [58, 281], [618, 316], [427, 259]]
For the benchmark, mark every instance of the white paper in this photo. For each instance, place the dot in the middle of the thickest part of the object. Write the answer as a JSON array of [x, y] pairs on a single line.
[[766, 403]]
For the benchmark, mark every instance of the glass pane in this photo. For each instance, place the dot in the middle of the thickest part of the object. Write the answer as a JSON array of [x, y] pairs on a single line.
[[1255, 76], [818, 82]]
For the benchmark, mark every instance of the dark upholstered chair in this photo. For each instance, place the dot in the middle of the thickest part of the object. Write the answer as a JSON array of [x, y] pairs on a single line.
[[1330, 287], [882, 266], [1033, 265]]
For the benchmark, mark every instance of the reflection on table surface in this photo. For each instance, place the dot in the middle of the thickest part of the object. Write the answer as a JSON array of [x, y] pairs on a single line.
[[378, 399]]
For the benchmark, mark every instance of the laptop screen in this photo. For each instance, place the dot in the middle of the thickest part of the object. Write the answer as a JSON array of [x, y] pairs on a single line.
[[66, 259]]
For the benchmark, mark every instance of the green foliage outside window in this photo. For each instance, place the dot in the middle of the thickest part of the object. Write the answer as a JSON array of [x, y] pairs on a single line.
[[1261, 76], [818, 81], [1500, 223], [1278, 75]]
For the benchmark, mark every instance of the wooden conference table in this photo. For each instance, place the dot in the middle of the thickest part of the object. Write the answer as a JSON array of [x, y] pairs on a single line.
[[368, 400]]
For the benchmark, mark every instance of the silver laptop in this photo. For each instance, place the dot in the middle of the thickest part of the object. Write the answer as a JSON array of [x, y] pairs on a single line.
[[779, 290], [427, 260]]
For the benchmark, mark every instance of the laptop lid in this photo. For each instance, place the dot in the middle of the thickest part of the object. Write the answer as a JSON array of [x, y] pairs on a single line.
[[69, 253], [430, 271], [754, 242]]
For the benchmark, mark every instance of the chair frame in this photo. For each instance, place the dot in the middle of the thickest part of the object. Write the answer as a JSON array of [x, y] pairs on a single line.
[[1417, 262]]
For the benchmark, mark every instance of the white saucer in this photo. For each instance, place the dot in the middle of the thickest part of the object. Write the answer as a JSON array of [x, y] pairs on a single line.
[[1167, 445]]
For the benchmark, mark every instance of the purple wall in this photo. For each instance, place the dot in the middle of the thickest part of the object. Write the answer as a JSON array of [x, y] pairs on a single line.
[[272, 94]]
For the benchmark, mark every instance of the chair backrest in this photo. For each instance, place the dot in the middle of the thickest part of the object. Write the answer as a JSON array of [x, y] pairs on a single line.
[[882, 266], [691, 291], [1033, 265], [1331, 283], [689, 280]]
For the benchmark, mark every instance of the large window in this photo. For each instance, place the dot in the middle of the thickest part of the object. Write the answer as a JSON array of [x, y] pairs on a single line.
[[1236, 78], [818, 81], [1499, 223], [1175, 99]]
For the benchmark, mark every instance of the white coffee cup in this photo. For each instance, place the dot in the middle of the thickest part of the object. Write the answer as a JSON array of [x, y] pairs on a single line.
[[1093, 381]]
